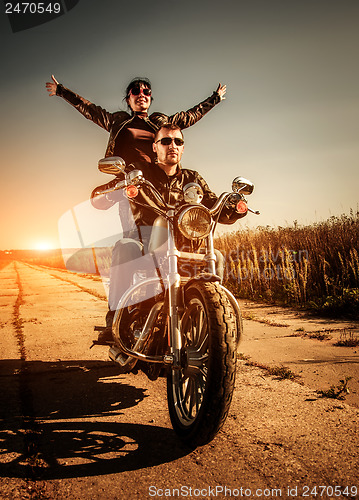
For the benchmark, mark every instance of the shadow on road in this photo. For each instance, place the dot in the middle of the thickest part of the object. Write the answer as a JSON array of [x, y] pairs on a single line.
[[51, 428]]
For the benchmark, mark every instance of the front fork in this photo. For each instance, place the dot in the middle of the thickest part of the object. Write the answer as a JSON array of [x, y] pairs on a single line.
[[210, 255], [174, 288]]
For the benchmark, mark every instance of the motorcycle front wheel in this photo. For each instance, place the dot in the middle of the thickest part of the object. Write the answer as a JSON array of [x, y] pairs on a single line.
[[200, 393]]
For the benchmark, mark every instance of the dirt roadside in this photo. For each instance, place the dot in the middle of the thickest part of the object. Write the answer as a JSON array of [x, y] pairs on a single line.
[[72, 428], [305, 344]]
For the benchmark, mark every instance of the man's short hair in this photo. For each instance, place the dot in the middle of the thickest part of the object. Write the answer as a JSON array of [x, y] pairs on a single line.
[[168, 126]]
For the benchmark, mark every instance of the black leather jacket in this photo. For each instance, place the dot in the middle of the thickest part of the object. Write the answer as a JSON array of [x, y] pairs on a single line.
[[114, 122], [171, 188]]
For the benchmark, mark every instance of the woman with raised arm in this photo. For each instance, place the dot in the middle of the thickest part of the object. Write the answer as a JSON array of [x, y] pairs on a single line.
[[132, 134]]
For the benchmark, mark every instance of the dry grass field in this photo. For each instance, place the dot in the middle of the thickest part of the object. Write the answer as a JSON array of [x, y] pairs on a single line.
[[315, 266]]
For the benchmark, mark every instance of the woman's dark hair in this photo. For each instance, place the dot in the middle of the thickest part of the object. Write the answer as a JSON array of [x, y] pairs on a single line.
[[136, 82]]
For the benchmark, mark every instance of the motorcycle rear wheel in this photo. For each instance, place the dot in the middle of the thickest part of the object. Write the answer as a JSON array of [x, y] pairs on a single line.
[[200, 393]]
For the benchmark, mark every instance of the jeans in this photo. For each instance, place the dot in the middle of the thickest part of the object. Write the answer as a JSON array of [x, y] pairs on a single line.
[[128, 259]]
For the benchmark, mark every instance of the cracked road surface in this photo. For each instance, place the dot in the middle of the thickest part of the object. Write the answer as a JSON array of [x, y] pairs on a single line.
[[73, 428]]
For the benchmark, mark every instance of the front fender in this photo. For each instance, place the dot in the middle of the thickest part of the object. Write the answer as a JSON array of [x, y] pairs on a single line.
[[205, 277]]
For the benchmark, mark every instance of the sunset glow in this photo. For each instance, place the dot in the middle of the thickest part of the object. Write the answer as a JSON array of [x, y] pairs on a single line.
[[43, 245]]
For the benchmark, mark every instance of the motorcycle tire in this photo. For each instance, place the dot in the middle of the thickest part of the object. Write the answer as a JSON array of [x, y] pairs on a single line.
[[200, 393]]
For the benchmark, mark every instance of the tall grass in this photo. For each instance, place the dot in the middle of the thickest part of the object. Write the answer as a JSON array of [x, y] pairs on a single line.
[[81, 260], [48, 258], [316, 265]]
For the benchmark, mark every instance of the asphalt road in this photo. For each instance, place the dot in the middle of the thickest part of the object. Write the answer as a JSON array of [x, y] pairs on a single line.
[[73, 428]]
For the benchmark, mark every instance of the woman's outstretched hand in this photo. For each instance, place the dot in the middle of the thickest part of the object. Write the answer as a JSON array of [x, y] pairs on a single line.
[[221, 90], [51, 86]]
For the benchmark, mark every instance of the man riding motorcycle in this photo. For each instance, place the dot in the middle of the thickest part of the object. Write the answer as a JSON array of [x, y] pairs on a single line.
[[169, 178]]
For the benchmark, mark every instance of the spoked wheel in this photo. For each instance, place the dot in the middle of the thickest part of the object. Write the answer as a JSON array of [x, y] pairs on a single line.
[[200, 393]]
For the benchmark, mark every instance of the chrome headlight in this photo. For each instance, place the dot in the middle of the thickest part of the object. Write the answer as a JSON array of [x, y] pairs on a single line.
[[194, 222]]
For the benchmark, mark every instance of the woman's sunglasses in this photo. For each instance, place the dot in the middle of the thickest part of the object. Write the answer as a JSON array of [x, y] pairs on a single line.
[[140, 90], [166, 141]]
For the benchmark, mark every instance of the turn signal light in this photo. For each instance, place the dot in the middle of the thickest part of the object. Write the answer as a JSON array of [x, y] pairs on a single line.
[[132, 191], [242, 207]]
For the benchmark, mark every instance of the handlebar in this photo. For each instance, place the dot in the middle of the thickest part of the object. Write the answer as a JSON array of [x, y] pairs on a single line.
[[137, 179], [119, 185]]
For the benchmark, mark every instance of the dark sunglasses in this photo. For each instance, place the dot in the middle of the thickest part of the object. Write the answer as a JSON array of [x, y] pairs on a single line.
[[166, 141], [139, 90]]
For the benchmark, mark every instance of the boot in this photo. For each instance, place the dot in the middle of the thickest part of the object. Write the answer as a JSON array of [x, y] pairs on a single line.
[[106, 334]]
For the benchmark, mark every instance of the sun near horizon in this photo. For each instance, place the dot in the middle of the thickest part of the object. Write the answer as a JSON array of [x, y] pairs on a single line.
[[43, 245]]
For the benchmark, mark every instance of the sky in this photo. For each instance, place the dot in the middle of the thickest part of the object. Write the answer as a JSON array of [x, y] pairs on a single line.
[[290, 121]]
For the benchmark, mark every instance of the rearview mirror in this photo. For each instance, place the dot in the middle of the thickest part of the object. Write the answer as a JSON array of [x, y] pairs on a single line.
[[242, 185], [112, 165]]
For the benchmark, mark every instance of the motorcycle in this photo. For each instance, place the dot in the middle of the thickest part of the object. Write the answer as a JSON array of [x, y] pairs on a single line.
[[179, 324]]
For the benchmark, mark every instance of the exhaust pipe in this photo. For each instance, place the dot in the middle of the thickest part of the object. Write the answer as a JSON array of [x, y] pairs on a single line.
[[117, 356]]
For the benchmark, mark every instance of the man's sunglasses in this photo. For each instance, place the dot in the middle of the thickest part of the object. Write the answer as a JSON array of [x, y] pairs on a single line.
[[139, 90], [166, 141]]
